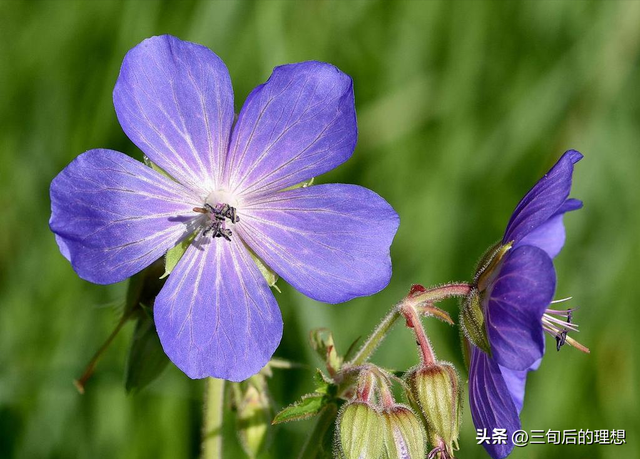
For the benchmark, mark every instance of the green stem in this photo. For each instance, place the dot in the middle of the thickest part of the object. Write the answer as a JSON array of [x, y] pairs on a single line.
[[81, 382], [319, 443], [375, 338], [212, 419]]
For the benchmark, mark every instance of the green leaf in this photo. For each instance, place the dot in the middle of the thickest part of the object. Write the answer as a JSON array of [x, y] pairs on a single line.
[[307, 407], [146, 359], [174, 255], [323, 384]]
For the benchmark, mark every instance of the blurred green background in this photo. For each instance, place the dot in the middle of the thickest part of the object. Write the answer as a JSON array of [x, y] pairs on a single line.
[[462, 105]]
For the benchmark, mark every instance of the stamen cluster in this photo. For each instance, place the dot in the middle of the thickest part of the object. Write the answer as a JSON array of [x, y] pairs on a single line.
[[218, 215]]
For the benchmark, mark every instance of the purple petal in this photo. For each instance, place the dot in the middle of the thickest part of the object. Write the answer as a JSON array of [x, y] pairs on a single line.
[[550, 235], [299, 124], [517, 298], [516, 380], [543, 200], [331, 242], [491, 404], [216, 316], [113, 216], [175, 102]]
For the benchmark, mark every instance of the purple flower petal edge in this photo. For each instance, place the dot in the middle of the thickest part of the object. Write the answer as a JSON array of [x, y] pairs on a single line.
[[299, 124], [544, 200], [174, 100], [491, 403], [216, 315], [331, 242], [113, 216], [516, 380], [550, 235]]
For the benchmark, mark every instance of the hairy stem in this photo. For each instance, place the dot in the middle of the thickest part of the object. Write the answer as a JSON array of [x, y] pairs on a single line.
[[212, 419], [423, 296], [413, 321], [375, 338], [435, 294]]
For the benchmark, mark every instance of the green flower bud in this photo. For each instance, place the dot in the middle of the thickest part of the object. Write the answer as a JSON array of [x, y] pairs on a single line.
[[436, 390], [253, 418], [404, 436], [472, 322], [360, 431]]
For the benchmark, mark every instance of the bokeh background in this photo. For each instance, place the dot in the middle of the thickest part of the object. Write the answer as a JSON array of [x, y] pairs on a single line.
[[462, 106]]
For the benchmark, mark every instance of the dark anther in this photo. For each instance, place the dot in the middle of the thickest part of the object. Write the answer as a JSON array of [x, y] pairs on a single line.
[[561, 338], [218, 216], [222, 211], [217, 229]]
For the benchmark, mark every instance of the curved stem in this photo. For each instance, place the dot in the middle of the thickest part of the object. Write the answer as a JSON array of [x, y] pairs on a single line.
[[91, 366], [212, 419], [417, 296], [374, 340], [435, 294]]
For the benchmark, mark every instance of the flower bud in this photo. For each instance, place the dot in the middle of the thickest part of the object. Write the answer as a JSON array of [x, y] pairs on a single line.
[[360, 431], [253, 419], [436, 390], [404, 436]]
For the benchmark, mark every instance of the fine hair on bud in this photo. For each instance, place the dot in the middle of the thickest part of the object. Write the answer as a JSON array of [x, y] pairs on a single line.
[[404, 436], [359, 432], [436, 390], [485, 260]]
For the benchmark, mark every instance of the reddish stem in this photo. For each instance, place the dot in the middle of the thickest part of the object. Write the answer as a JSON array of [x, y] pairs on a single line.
[[413, 321]]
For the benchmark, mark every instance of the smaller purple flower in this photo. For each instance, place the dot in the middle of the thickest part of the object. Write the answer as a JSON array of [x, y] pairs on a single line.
[[515, 289], [232, 188]]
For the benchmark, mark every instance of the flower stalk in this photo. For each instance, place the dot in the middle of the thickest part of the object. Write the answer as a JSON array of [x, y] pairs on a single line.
[[81, 382], [414, 322], [213, 416], [420, 299]]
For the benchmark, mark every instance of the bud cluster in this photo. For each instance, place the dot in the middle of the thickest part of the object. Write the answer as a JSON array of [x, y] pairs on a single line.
[[373, 425]]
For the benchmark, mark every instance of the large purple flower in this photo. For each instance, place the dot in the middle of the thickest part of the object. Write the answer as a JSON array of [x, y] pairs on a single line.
[[515, 292], [113, 216]]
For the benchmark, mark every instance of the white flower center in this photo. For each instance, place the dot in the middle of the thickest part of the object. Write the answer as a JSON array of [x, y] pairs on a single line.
[[222, 197]]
